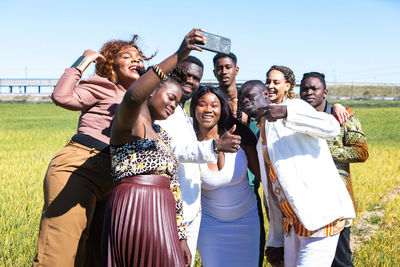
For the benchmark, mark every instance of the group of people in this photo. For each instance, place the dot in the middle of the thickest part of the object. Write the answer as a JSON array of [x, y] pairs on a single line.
[[142, 183]]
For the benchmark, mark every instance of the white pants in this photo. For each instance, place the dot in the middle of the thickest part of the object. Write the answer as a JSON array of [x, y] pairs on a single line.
[[192, 233], [309, 251]]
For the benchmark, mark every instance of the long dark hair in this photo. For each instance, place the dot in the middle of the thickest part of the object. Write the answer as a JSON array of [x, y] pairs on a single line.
[[223, 120]]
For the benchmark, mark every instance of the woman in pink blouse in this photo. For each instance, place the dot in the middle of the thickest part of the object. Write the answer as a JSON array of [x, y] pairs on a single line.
[[78, 181]]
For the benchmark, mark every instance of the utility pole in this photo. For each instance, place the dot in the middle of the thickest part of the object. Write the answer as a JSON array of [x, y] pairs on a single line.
[[352, 89]]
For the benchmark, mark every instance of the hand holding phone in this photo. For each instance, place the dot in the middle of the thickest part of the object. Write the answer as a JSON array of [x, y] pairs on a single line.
[[216, 43]]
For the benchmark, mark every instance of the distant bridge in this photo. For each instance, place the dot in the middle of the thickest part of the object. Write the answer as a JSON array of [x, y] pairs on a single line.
[[46, 86], [27, 86]]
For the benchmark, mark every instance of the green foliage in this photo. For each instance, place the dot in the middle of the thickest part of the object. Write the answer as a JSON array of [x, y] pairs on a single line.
[[384, 248], [373, 179], [375, 220], [367, 91], [29, 137], [381, 125], [367, 103]]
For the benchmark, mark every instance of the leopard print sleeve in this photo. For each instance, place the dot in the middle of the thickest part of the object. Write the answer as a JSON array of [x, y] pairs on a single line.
[[175, 189], [179, 208]]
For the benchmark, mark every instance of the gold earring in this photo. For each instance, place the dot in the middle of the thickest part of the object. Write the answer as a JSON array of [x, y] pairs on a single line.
[[114, 76]]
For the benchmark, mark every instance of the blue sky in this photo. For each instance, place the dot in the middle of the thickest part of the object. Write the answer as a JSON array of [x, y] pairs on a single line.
[[349, 41]]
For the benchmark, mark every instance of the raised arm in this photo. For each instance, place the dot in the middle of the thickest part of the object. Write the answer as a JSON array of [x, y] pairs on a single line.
[[199, 152], [205, 151], [302, 117], [183, 142], [140, 90], [69, 95]]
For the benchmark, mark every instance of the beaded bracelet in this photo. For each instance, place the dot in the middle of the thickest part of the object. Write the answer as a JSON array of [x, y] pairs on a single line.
[[214, 142], [157, 70]]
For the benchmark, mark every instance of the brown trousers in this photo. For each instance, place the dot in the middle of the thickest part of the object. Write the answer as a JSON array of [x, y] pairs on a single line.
[[76, 188]]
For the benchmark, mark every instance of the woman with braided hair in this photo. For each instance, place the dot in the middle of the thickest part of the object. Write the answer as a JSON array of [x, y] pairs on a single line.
[[280, 83], [78, 183]]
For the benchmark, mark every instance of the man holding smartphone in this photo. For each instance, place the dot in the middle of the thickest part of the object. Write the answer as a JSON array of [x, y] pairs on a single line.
[[225, 70], [189, 151]]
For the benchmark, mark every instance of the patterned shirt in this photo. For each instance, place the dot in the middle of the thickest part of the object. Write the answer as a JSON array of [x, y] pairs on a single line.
[[348, 147], [145, 157], [290, 218]]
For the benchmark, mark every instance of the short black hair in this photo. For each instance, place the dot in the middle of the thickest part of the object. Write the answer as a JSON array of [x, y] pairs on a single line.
[[194, 60], [254, 83], [230, 55], [180, 73], [225, 111], [314, 74]]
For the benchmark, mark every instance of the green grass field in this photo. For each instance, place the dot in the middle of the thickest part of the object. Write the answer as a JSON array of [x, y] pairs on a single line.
[[364, 91], [30, 135]]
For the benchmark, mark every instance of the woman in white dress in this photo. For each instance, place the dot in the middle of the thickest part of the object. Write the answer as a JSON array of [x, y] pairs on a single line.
[[229, 230]]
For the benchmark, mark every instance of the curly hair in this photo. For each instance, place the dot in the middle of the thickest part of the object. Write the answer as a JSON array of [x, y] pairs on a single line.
[[289, 78], [180, 72], [110, 50]]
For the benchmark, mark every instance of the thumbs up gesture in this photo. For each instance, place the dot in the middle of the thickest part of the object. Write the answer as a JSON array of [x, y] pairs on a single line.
[[229, 142]]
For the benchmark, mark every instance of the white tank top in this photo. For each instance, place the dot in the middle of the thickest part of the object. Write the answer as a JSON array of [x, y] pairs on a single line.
[[226, 194]]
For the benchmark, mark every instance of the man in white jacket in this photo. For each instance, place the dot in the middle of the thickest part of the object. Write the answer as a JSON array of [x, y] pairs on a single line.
[[308, 203], [191, 152]]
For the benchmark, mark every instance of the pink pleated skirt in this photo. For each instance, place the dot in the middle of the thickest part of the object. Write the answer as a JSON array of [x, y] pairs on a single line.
[[140, 224]]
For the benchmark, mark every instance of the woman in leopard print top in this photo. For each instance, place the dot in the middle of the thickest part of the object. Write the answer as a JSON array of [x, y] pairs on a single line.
[[143, 218], [145, 157]]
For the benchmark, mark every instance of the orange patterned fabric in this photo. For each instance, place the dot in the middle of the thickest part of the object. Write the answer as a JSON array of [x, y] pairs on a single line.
[[290, 218]]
